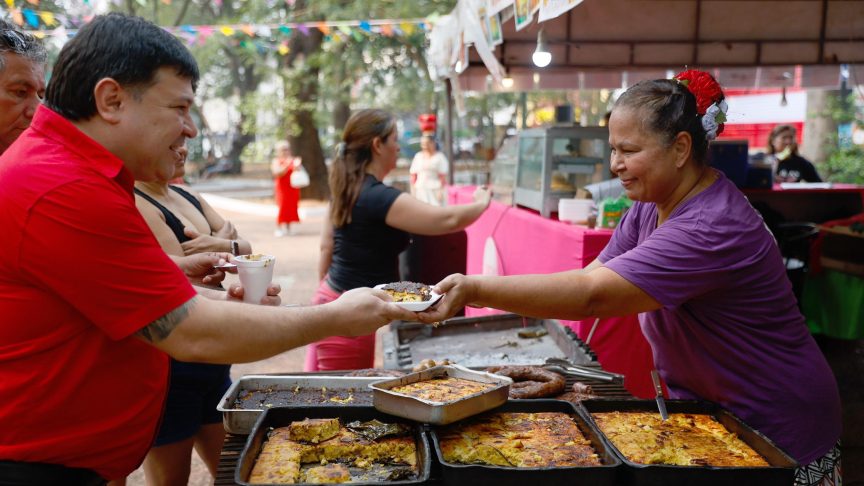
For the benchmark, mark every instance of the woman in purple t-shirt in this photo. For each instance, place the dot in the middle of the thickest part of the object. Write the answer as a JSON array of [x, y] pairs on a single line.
[[697, 263]]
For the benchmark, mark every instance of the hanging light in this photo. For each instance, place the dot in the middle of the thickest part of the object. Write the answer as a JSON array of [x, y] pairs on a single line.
[[507, 81], [541, 57]]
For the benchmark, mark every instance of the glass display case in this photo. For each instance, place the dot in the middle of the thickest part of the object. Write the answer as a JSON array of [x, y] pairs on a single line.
[[554, 162], [503, 171]]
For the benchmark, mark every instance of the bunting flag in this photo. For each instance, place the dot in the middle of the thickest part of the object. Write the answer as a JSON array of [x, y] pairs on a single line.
[[259, 38]]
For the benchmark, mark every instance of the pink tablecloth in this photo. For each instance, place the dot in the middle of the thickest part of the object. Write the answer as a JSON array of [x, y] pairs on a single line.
[[528, 243]]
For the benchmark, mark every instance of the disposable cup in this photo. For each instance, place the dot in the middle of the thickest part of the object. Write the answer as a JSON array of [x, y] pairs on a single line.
[[256, 273]]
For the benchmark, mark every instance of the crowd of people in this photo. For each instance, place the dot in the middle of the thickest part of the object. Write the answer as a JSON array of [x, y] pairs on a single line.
[[101, 254]]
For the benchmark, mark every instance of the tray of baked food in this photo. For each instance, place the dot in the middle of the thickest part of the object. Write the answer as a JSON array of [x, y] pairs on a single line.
[[441, 394], [249, 396], [700, 443], [314, 445], [547, 441], [476, 342]]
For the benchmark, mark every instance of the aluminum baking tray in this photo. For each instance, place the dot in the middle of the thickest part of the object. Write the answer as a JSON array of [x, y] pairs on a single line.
[[608, 473], [347, 391], [781, 471], [282, 417], [437, 412], [478, 342]]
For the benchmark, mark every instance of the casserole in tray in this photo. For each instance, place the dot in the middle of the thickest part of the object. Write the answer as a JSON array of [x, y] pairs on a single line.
[[435, 411], [249, 396], [369, 462], [780, 468], [514, 443]]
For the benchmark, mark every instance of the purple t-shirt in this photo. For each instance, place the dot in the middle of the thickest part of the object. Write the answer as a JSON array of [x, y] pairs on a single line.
[[729, 330]]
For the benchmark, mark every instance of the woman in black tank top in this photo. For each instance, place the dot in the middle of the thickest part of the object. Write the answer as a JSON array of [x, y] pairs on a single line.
[[185, 224]]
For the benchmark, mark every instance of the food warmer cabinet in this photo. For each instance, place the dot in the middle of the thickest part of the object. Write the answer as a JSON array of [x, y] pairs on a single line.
[[554, 162]]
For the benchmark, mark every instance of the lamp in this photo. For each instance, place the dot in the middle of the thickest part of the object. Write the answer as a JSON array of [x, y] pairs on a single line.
[[507, 82], [541, 57]]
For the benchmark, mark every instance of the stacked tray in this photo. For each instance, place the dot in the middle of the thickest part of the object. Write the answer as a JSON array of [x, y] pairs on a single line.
[[607, 473], [282, 417], [249, 396], [432, 412], [781, 470]]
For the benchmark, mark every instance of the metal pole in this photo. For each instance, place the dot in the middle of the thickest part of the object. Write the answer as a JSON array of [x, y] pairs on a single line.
[[448, 132]]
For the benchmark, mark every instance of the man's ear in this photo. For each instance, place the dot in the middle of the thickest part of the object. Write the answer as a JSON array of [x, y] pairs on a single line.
[[110, 99], [682, 145]]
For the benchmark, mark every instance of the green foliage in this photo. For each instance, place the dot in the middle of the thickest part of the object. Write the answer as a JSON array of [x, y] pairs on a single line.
[[844, 164]]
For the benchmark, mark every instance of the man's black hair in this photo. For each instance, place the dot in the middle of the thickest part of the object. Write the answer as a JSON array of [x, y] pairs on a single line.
[[128, 49]]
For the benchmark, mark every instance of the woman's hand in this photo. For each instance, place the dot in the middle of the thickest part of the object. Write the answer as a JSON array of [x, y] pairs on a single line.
[[227, 231], [203, 243], [482, 195], [458, 291]]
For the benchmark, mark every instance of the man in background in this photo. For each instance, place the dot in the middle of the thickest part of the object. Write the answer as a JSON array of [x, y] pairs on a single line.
[[22, 81]]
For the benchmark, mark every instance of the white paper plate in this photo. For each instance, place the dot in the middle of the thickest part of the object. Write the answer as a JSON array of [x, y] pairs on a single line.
[[417, 306]]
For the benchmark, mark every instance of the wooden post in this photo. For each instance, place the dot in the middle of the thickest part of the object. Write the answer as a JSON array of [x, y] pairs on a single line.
[[448, 130]]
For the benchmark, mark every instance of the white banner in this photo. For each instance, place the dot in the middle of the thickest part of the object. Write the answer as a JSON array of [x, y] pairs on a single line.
[[549, 9], [495, 6]]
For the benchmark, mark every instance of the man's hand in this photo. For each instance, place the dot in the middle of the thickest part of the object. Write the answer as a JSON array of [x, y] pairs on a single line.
[[363, 310], [235, 292], [458, 291], [202, 243], [199, 267]]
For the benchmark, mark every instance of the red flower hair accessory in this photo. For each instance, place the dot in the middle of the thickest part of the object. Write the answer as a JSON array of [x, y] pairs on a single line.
[[703, 86], [709, 100]]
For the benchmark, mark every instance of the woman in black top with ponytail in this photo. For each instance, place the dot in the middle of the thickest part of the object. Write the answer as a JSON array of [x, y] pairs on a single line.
[[370, 224]]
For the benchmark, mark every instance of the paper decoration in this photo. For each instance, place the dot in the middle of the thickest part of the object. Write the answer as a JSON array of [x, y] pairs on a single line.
[[549, 9]]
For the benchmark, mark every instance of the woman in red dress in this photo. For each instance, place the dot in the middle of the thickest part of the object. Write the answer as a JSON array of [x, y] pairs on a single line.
[[287, 197]]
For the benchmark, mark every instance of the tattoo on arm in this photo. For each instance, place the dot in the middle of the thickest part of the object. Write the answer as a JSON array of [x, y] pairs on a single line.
[[162, 327]]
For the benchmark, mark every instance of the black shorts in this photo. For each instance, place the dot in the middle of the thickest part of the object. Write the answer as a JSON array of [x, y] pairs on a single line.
[[193, 395]]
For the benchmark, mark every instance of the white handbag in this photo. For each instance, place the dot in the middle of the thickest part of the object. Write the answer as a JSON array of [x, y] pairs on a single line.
[[299, 178]]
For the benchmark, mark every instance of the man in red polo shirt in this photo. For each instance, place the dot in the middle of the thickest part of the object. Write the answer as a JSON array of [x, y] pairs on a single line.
[[91, 305]]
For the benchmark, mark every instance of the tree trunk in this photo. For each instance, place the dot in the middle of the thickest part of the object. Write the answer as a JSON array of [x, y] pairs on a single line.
[[307, 144], [818, 128]]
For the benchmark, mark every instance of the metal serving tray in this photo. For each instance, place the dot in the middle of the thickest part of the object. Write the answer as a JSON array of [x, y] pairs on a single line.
[[437, 412], [240, 420], [478, 342], [781, 471], [282, 417], [608, 473]]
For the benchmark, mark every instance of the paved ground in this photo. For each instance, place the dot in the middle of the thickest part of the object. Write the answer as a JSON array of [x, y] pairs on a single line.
[[296, 268]]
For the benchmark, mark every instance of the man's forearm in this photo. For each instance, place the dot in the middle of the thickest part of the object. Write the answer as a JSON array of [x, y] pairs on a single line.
[[228, 332]]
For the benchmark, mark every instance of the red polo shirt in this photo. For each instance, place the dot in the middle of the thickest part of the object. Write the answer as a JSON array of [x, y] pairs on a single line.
[[80, 272]]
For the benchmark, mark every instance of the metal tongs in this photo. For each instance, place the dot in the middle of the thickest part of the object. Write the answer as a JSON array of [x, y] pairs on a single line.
[[661, 402], [565, 367]]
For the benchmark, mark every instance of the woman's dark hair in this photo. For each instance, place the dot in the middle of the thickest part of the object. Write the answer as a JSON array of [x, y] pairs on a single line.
[[353, 157], [128, 49], [667, 108], [776, 132]]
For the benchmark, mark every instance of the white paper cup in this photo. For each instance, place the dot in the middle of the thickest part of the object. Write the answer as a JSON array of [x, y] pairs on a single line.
[[256, 273]]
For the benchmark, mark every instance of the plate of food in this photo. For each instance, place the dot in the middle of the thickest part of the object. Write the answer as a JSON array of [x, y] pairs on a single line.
[[412, 296]]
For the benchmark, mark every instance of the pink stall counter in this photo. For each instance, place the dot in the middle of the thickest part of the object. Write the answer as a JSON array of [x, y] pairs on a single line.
[[514, 241]]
